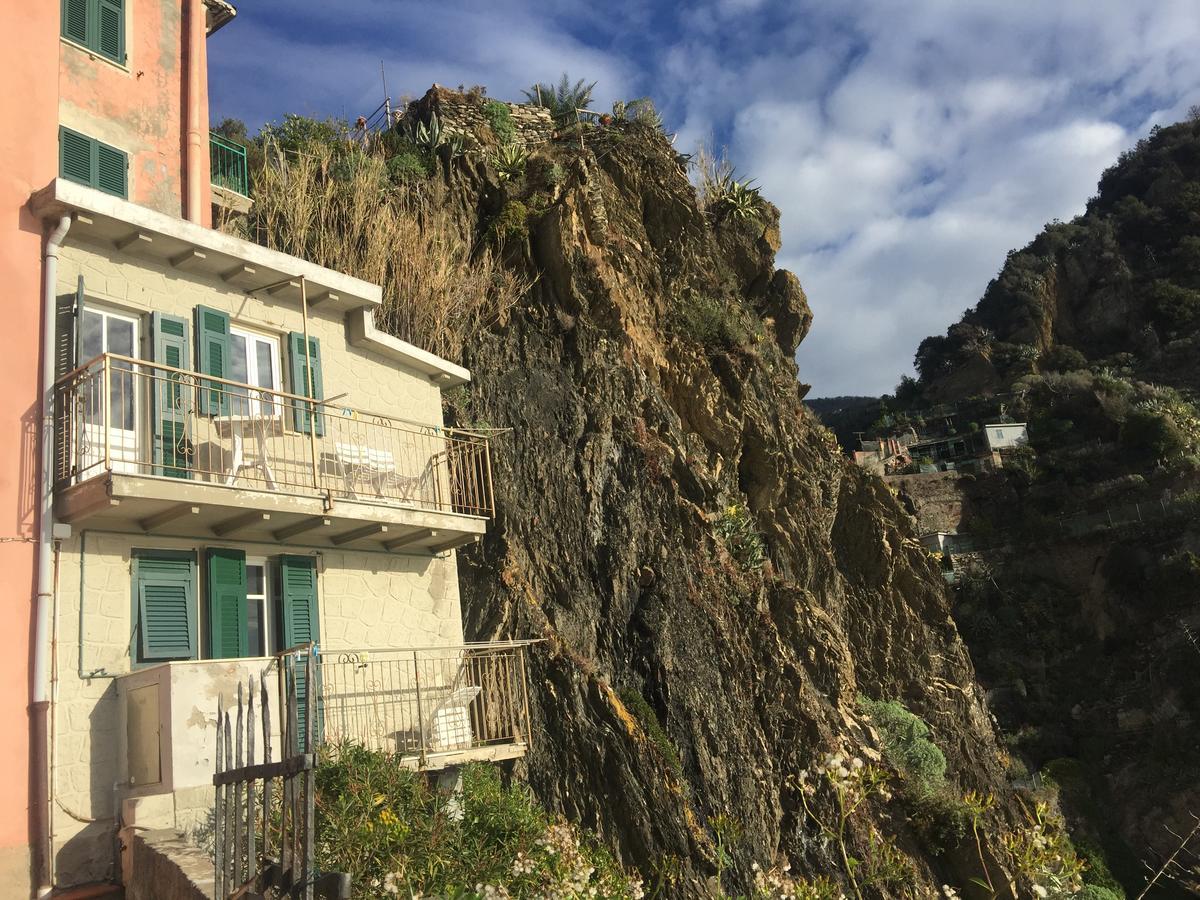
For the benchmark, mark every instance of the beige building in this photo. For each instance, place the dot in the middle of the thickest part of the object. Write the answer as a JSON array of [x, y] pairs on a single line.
[[223, 495]]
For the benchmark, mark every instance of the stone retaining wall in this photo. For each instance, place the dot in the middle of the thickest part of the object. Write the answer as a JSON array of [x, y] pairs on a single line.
[[465, 114]]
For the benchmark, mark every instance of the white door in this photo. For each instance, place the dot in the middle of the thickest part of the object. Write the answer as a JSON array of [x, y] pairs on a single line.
[[109, 332]]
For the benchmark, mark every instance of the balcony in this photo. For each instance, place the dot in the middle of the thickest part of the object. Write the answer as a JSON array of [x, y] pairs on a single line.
[[229, 173], [434, 707], [145, 447]]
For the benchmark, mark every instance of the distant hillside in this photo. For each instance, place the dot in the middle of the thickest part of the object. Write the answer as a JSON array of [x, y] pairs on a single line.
[[1081, 608], [1118, 286]]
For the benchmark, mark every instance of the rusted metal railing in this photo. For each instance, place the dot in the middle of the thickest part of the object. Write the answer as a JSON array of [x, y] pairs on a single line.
[[428, 704], [119, 414]]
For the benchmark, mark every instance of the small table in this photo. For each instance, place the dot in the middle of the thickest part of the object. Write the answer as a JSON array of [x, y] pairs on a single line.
[[235, 428]]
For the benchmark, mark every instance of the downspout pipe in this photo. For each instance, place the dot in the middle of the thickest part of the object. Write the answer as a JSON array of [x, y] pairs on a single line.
[[195, 153], [39, 706]]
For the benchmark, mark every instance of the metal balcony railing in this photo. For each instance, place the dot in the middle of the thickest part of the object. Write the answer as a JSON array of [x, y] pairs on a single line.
[[131, 416], [227, 165], [420, 703]]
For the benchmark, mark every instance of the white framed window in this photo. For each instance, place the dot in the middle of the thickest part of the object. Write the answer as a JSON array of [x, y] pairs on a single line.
[[254, 361], [106, 331], [258, 607]]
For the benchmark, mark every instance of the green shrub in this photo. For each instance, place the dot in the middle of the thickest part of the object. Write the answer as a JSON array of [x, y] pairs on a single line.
[[512, 223], [712, 322], [396, 835], [407, 166], [500, 118], [1062, 358], [648, 719], [1096, 892], [555, 175], [735, 526], [906, 745], [1154, 433], [941, 819], [1097, 875]]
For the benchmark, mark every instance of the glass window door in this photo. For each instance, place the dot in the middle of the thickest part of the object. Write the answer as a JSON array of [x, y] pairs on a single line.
[[254, 361], [109, 332], [257, 607]]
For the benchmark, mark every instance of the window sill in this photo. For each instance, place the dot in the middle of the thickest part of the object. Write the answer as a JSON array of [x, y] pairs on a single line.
[[99, 57]]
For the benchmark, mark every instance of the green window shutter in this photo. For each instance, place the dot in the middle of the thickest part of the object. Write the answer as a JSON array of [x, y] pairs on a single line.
[[165, 592], [212, 358], [112, 170], [305, 387], [75, 20], [110, 29], [171, 399], [76, 157], [226, 577], [298, 599], [298, 591]]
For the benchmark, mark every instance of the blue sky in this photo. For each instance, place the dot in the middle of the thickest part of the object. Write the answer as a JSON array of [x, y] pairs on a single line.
[[909, 143]]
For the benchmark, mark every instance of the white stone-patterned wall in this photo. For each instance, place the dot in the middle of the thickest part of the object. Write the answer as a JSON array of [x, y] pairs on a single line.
[[366, 601], [138, 285]]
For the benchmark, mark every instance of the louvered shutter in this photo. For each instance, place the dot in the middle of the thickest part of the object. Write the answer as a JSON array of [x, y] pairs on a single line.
[[226, 582], [68, 313], [112, 169], [298, 592], [171, 399], [76, 157], [110, 29], [305, 386], [75, 20], [212, 358], [165, 586]]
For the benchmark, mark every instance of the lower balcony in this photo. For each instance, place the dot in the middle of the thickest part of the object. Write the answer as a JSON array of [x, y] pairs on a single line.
[[432, 707], [149, 448]]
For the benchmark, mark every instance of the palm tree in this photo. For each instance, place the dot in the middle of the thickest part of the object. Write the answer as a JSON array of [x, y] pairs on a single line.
[[562, 99]]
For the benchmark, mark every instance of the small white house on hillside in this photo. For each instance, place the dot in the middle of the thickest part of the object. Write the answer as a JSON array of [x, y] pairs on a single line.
[[1006, 435]]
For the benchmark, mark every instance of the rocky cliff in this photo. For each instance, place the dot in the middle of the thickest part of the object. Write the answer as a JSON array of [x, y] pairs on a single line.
[[649, 385]]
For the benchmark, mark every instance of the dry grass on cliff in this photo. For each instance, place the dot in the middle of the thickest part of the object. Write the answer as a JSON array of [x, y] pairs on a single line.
[[338, 208]]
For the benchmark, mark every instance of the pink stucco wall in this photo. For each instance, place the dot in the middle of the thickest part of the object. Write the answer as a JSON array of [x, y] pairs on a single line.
[[140, 107], [28, 160]]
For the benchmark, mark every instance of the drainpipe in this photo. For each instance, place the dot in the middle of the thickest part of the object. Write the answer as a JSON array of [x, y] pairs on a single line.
[[39, 702], [195, 155]]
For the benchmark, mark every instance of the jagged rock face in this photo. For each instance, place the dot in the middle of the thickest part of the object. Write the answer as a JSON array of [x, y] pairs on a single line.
[[627, 441]]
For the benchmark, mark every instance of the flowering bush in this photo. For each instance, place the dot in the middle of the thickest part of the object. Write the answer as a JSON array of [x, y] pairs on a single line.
[[1042, 852], [398, 836], [832, 791]]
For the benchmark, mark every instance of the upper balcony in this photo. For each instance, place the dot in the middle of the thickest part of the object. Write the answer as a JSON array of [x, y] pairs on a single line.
[[142, 446], [229, 174]]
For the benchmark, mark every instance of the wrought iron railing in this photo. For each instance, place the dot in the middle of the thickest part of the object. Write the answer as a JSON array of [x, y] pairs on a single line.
[[421, 703], [125, 415], [227, 165]]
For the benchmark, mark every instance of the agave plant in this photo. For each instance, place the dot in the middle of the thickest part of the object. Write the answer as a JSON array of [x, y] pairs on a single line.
[[509, 161], [426, 136], [735, 198]]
